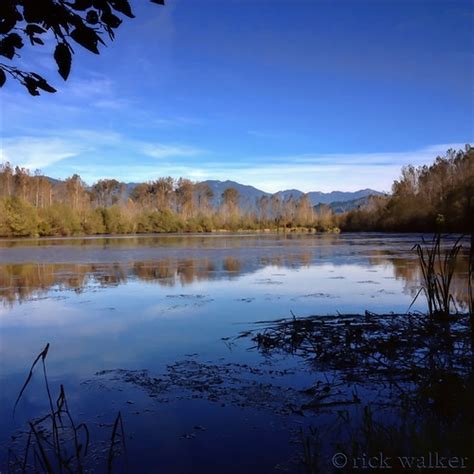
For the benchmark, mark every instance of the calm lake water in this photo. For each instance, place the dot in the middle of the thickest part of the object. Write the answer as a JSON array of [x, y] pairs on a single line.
[[173, 305]]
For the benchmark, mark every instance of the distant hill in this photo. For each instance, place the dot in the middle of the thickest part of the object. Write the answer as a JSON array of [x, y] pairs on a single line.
[[53, 181], [288, 193], [318, 197], [249, 194], [339, 207], [129, 187]]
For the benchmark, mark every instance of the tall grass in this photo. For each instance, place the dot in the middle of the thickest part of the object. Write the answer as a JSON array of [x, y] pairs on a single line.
[[55, 443], [437, 268], [471, 289], [48, 448], [471, 277]]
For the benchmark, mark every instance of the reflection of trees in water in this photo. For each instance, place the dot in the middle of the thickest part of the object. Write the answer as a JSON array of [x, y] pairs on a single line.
[[18, 282], [289, 261], [408, 270], [181, 241], [113, 275], [232, 264], [160, 271], [190, 270]]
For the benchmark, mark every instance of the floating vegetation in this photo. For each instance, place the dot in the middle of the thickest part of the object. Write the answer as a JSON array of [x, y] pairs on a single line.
[[316, 295], [369, 344], [405, 384], [233, 384]]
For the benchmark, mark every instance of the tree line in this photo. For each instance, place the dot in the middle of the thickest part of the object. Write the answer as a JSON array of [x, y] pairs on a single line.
[[426, 198], [436, 197], [34, 205]]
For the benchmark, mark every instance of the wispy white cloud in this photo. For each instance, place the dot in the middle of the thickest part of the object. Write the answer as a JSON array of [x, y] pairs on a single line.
[[35, 153], [92, 87], [95, 155], [178, 121], [42, 152], [269, 177], [414, 157], [263, 134], [160, 151], [272, 174], [112, 104], [99, 91]]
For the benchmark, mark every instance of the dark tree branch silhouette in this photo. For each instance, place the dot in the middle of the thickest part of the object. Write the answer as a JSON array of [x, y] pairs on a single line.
[[41, 22]]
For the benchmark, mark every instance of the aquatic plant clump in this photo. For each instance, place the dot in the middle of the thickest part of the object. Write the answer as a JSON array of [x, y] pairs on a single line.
[[414, 376], [371, 344], [437, 269]]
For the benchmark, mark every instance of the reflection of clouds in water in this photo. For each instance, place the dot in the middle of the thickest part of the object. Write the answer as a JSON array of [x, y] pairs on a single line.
[[409, 273], [116, 307], [137, 287], [60, 317], [20, 282], [88, 333], [327, 257], [50, 312]]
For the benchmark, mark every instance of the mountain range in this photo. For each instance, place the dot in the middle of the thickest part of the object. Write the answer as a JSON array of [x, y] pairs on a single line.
[[339, 201]]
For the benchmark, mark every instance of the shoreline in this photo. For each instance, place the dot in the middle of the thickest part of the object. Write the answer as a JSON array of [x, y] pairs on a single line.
[[220, 233]]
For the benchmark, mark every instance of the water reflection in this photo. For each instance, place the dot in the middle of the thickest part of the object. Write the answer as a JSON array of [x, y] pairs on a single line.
[[152, 303], [20, 282], [170, 241], [24, 281], [407, 270]]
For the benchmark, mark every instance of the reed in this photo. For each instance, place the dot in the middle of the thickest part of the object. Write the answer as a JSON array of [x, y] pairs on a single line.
[[437, 269], [471, 289], [117, 438], [311, 452], [55, 443]]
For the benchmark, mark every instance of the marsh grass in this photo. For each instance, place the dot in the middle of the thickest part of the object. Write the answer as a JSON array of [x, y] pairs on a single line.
[[117, 444], [311, 444], [437, 268], [55, 443], [471, 288]]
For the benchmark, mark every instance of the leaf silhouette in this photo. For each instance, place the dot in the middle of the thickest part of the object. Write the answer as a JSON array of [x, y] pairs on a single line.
[[62, 56], [82, 21], [123, 6], [86, 38]]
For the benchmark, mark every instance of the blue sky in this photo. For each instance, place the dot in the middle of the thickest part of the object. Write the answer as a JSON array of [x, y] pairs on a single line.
[[315, 95]]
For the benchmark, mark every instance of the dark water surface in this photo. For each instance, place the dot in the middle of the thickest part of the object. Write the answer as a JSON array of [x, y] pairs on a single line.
[[172, 305]]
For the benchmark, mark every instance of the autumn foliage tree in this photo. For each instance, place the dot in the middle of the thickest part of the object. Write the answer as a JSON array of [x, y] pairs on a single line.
[[432, 197]]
